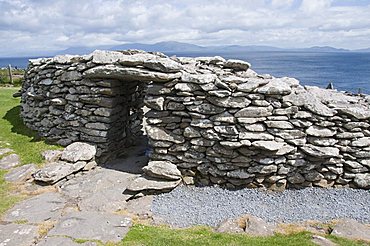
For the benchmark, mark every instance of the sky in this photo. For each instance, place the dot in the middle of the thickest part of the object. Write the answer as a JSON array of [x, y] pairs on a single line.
[[34, 26]]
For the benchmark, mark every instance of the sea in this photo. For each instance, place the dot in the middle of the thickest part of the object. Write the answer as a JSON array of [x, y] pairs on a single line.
[[348, 71]]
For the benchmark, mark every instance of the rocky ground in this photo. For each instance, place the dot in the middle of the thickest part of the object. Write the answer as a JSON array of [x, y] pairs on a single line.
[[91, 204]]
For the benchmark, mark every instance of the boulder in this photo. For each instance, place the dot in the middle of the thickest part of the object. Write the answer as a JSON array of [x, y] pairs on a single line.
[[162, 169], [78, 151], [255, 226], [230, 226]]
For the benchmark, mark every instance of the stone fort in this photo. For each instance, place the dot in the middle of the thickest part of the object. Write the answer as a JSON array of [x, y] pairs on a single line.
[[215, 119]]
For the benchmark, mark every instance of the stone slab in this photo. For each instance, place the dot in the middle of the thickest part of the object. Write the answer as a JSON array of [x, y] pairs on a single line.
[[18, 235], [145, 183], [98, 180], [47, 206], [162, 169], [93, 226], [56, 171], [107, 200], [4, 151], [62, 241], [20, 174], [352, 229], [9, 161]]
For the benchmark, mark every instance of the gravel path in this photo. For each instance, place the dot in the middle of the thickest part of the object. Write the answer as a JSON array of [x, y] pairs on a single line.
[[186, 206]]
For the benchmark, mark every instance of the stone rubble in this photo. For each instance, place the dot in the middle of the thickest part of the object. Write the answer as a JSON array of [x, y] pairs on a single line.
[[74, 158], [215, 118]]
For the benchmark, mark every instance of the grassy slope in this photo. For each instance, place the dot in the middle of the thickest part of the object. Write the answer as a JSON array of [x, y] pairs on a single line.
[[12, 130], [162, 236], [14, 135], [6, 200]]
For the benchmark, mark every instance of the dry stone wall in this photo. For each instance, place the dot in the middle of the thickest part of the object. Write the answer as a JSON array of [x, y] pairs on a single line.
[[64, 106], [215, 119]]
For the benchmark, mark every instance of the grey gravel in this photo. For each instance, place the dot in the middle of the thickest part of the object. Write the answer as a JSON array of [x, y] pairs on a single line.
[[186, 206]]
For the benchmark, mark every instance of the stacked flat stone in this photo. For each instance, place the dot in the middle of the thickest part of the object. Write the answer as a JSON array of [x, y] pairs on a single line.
[[215, 119], [64, 104]]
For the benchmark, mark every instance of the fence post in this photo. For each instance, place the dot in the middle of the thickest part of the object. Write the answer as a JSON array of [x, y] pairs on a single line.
[[10, 74]]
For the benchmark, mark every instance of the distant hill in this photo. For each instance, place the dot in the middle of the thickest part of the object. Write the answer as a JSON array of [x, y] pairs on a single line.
[[180, 47], [323, 49], [161, 46], [363, 50]]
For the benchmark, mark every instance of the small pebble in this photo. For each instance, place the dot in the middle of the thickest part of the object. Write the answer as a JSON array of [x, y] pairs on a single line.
[[187, 206]]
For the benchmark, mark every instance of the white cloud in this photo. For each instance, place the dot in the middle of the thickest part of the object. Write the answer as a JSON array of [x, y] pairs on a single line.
[[37, 25], [281, 3], [315, 6]]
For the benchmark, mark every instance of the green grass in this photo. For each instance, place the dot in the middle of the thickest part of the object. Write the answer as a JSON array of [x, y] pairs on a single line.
[[346, 242], [7, 200], [163, 236], [16, 136], [22, 140]]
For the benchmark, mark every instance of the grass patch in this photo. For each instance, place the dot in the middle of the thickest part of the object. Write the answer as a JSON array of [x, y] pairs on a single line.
[[346, 242], [163, 236], [7, 200], [14, 134]]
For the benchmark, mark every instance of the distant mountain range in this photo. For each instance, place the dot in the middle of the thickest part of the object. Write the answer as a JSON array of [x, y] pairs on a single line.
[[179, 47]]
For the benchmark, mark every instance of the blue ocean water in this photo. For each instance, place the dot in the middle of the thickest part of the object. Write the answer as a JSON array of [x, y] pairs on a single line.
[[349, 71], [19, 62]]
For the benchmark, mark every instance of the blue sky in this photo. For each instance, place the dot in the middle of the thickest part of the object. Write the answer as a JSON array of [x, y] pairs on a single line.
[[32, 26]]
